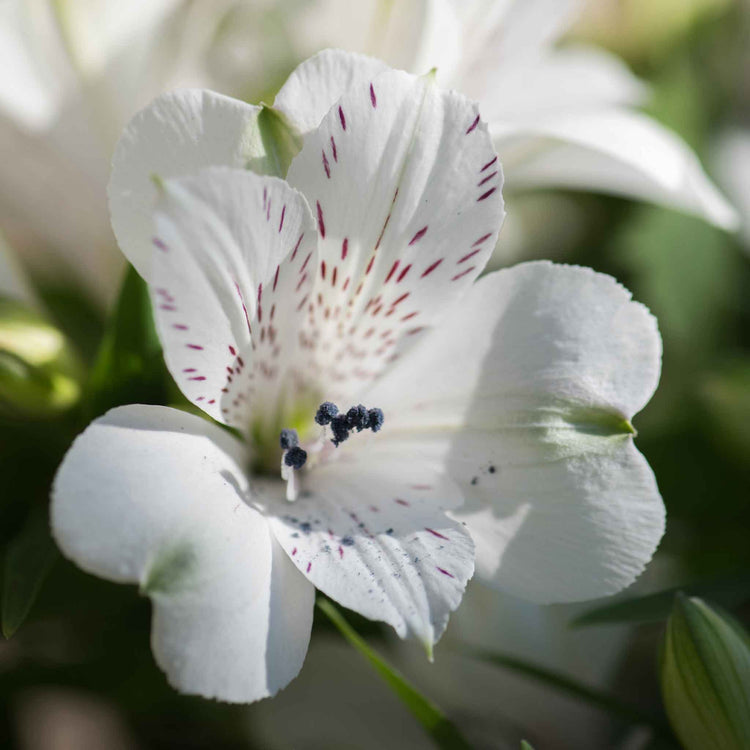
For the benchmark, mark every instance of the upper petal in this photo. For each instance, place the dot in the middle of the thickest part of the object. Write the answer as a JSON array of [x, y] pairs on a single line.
[[614, 151], [525, 394], [318, 83], [177, 134], [370, 531], [405, 185], [232, 271], [153, 496]]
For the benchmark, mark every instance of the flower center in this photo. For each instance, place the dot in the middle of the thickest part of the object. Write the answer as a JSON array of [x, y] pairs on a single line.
[[294, 456]]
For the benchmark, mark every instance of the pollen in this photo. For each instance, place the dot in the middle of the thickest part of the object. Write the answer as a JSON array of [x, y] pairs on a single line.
[[357, 418], [326, 412], [295, 457]]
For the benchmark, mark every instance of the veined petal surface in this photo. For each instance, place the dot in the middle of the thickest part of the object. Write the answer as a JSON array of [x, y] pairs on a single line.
[[370, 531], [234, 263], [156, 497], [406, 190], [526, 394], [179, 133], [316, 84]]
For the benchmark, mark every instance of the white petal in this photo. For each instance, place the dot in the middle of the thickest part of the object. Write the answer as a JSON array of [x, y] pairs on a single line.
[[177, 134], [32, 85], [565, 80], [406, 188], [502, 33], [153, 496], [732, 160], [525, 394], [369, 530], [317, 84], [614, 151], [560, 529], [419, 35], [231, 274]]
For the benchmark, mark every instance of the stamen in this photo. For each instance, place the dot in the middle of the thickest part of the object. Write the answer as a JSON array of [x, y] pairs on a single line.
[[288, 439], [295, 457], [357, 417], [340, 429], [375, 419], [326, 412]]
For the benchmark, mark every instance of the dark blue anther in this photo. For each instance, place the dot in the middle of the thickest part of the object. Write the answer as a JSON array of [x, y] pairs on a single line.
[[340, 429], [357, 418], [295, 457], [326, 412], [288, 439], [375, 419]]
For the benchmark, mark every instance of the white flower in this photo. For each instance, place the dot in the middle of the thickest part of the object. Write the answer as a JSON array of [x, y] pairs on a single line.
[[507, 400]]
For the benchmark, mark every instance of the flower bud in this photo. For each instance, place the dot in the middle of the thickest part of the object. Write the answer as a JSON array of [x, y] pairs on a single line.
[[705, 677]]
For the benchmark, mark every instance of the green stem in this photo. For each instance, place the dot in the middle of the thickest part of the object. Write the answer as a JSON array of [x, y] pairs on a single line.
[[443, 733]]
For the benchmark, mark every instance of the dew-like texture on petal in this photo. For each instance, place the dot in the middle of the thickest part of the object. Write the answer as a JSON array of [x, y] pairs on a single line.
[[526, 394], [316, 84], [370, 531], [406, 189], [614, 151], [177, 134], [233, 269], [156, 497]]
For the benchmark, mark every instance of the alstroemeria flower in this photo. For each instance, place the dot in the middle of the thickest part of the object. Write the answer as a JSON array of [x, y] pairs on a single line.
[[506, 401]]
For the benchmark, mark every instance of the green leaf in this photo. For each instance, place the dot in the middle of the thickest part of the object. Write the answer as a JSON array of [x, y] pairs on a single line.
[[39, 373], [443, 732], [28, 560], [729, 591], [705, 677], [525, 745], [129, 367], [565, 684]]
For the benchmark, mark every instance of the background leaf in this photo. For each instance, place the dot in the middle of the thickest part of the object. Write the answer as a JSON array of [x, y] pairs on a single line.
[[28, 559], [729, 591], [129, 367]]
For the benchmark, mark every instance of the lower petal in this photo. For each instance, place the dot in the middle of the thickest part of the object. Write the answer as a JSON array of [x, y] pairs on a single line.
[[372, 534], [154, 496]]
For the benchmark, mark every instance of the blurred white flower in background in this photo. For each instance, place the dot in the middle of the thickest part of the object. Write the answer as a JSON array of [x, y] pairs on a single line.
[[732, 159], [73, 72]]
